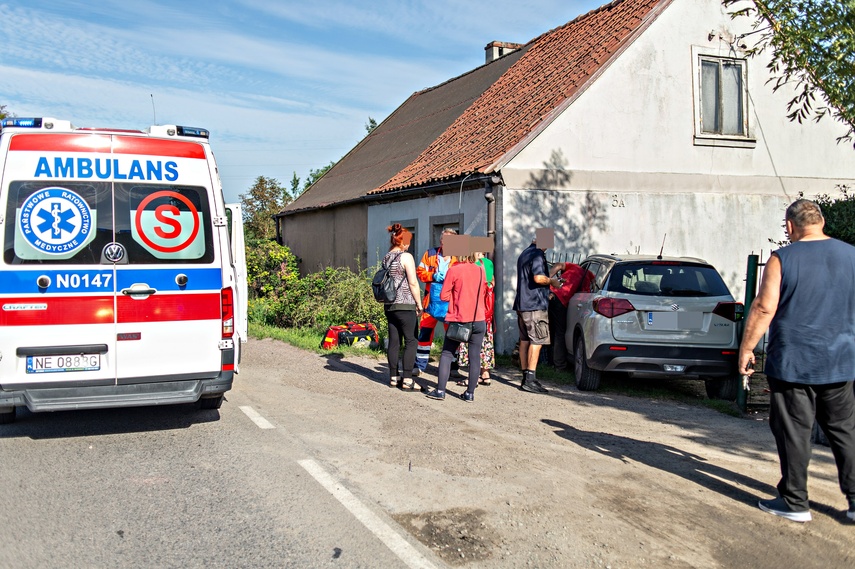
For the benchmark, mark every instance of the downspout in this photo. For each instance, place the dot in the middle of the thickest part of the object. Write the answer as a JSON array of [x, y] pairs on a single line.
[[491, 190], [276, 219], [491, 208]]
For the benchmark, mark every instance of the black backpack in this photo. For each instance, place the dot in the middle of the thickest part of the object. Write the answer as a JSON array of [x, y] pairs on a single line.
[[383, 285]]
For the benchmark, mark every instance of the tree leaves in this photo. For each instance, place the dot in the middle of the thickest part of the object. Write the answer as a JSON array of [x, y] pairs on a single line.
[[265, 199], [812, 46]]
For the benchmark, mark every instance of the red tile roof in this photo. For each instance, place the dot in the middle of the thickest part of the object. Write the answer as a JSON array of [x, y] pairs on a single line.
[[400, 138], [554, 67]]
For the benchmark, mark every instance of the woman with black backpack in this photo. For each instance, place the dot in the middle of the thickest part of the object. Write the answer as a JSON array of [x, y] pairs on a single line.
[[403, 313]]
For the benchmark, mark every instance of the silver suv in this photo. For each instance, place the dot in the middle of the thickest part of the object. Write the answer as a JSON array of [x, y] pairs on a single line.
[[652, 316]]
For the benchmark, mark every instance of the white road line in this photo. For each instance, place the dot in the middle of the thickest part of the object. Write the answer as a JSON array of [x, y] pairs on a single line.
[[399, 546], [256, 418]]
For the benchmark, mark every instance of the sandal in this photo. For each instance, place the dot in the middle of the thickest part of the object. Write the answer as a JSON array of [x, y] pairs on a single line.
[[463, 383], [395, 382], [485, 381], [409, 385]]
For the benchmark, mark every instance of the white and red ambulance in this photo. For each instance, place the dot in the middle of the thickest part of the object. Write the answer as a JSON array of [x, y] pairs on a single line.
[[123, 280]]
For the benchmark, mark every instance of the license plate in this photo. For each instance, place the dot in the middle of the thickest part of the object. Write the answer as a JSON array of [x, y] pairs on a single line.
[[675, 321], [59, 364]]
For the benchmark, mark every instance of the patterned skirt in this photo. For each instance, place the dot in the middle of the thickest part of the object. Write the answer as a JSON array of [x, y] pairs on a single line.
[[488, 354]]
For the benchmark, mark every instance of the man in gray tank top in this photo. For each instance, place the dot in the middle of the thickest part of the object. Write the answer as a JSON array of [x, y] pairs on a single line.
[[807, 302]]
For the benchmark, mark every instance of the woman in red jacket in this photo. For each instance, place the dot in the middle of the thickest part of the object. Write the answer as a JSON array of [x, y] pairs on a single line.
[[464, 289]]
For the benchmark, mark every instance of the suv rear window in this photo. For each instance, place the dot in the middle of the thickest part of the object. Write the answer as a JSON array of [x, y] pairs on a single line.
[[666, 278]]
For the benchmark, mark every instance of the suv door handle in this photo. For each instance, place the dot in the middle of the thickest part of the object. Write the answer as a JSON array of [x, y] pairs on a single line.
[[138, 289]]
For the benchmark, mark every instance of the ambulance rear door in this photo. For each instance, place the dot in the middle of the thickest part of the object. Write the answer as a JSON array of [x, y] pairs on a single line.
[[169, 284], [56, 293], [238, 252]]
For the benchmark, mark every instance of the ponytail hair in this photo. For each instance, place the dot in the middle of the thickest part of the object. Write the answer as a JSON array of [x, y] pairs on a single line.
[[399, 235]]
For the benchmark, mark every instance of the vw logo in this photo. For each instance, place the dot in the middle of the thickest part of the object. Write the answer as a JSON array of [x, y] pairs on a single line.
[[114, 252], [675, 307]]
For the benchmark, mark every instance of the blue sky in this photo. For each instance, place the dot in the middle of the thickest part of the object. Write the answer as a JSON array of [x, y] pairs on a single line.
[[284, 86]]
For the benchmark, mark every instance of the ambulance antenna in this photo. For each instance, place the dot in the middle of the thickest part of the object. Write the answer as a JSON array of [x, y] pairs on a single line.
[[153, 110], [663, 247]]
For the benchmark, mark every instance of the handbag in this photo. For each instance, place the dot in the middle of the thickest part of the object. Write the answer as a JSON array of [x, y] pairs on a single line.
[[462, 331], [459, 331], [489, 303]]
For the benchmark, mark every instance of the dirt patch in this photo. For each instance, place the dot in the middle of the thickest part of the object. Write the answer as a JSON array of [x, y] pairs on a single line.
[[459, 536]]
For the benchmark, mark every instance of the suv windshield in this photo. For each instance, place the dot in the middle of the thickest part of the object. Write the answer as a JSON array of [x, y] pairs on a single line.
[[666, 278]]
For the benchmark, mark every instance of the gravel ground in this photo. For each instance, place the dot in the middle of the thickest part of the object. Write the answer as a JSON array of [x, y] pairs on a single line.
[[565, 479]]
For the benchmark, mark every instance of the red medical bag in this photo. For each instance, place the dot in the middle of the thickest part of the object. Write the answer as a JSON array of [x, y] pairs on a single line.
[[351, 334]]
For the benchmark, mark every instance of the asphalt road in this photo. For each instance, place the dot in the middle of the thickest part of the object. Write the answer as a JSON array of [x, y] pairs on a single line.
[[314, 462], [175, 486]]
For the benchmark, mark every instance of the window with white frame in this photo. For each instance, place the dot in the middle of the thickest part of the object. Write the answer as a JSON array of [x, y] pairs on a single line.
[[723, 97]]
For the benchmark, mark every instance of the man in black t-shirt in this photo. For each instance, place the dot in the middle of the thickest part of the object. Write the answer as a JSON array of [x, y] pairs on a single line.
[[531, 303]]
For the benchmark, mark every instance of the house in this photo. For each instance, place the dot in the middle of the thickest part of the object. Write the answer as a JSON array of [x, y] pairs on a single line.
[[638, 126]]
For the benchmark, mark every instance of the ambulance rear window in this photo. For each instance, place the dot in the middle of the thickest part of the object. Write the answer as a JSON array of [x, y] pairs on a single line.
[[72, 223], [57, 222], [164, 223]]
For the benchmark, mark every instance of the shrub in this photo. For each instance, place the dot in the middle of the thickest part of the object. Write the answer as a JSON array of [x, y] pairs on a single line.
[[839, 215], [338, 295], [279, 297], [271, 268]]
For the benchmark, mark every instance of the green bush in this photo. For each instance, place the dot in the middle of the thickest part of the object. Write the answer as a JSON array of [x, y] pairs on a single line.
[[279, 297], [271, 268], [839, 215]]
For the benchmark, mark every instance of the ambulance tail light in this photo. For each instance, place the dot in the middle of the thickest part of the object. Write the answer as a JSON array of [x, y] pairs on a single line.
[[227, 309]]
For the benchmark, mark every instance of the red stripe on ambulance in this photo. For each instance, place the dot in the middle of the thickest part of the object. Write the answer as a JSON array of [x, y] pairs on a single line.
[[157, 147], [40, 311], [101, 143], [169, 308], [61, 143]]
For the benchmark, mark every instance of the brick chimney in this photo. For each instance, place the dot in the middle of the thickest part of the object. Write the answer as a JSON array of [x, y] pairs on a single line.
[[497, 49]]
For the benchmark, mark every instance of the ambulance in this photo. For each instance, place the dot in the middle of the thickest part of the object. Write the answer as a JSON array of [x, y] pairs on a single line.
[[123, 278]]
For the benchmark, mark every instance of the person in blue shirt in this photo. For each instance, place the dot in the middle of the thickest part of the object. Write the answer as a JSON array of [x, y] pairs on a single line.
[[531, 303]]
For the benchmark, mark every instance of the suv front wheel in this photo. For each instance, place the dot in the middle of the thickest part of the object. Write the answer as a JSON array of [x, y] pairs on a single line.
[[587, 379]]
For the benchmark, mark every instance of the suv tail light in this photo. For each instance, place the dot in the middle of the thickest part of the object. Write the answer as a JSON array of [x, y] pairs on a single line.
[[227, 309], [611, 307], [733, 311]]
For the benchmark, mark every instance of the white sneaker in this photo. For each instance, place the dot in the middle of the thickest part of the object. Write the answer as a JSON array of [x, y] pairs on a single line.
[[779, 507]]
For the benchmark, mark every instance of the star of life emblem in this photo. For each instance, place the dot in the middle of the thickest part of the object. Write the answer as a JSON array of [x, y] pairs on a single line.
[[56, 221]]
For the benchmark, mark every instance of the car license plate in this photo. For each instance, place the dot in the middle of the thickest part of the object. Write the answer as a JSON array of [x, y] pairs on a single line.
[[59, 364], [675, 320]]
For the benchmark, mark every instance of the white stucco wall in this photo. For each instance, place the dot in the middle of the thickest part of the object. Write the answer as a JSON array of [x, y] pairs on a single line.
[[639, 115], [618, 169], [471, 205]]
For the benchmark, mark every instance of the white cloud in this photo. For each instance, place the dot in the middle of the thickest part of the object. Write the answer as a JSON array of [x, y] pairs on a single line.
[[283, 85]]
